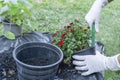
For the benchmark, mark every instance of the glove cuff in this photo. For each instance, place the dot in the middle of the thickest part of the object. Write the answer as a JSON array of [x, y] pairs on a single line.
[[112, 63]]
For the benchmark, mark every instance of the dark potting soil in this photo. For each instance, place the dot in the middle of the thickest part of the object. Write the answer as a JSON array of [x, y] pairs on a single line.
[[36, 61], [7, 66], [68, 72], [72, 74]]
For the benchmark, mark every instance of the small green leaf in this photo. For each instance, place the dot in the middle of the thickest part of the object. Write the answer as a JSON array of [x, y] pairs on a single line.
[[73, 39], [18, 22], [9, 35]]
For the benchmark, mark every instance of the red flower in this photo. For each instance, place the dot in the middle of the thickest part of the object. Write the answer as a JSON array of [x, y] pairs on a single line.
[[63, 35], [53, 42], [53, 35], [76, 20], [67, 26], [71, 23], [85, 30], [61, 42], [88, 27], [71, 30]]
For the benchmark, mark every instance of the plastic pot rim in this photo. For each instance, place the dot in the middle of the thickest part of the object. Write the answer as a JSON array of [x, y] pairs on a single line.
[[9, 23], [37, 67], [85, 49]]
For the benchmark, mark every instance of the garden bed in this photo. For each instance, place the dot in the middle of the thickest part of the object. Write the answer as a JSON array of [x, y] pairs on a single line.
[[7, 66], [8, 70]]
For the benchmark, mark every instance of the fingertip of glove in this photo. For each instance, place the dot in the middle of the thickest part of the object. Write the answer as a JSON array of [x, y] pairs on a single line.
[[85, 74], [77, 57], [73, 62], [74, 56]]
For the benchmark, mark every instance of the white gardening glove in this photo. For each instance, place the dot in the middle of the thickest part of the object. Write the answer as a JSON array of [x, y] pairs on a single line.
[[95, 63], [94, 14]]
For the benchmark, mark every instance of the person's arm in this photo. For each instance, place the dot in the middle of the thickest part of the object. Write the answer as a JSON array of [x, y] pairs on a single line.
[[118, 59]]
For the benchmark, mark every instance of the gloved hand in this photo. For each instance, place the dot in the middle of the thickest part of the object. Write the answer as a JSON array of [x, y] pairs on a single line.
[[95, 63], [93, 16]]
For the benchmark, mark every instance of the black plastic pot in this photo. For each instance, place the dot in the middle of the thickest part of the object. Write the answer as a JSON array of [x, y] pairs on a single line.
[[14, 28], [91, 51], [69, 72], [37, 61], [88, 51]]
